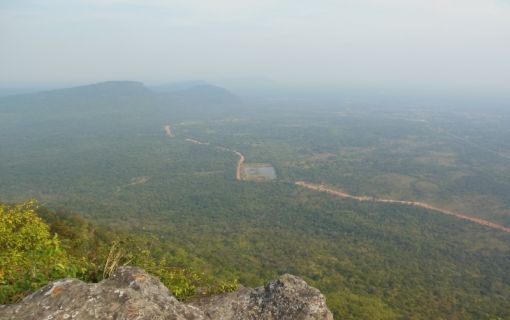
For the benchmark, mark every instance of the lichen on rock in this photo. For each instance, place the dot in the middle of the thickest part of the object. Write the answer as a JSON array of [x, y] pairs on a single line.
[[131, 293]]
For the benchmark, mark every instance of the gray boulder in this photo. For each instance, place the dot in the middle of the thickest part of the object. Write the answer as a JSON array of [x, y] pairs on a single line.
[[131, 293], [289, 297]]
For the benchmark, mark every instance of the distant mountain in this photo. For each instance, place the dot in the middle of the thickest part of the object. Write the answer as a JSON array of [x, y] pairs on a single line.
[[198, 102], [100, 96], [127, 101], [110, 94], [203, 95], [178, 86], [197, 93], [109, 88]]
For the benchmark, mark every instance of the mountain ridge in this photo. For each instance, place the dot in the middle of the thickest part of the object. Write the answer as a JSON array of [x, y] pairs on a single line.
[[111, 97]]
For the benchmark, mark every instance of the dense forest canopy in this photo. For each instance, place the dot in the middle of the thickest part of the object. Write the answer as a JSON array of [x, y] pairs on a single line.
[[99, 159]]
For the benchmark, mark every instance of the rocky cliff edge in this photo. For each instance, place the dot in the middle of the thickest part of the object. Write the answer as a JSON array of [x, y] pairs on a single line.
[[131, 293]]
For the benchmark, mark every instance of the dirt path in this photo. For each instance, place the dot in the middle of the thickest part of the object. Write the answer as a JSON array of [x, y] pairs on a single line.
[[239, 154], [341, 194], [239, 164], [196, 141], [169, 132]]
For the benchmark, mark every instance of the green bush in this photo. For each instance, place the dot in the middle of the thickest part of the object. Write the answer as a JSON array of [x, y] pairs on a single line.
[[33, 254], [29, 255]]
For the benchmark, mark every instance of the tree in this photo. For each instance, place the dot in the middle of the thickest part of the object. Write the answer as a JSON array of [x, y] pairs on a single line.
[[29, 255]]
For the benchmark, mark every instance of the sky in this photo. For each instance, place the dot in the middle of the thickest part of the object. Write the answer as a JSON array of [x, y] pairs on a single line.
[[449, 45]]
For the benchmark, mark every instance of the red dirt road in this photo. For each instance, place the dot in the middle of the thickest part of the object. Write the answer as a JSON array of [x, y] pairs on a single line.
[[239, 164], [341, 194], [239, 154], [169, 132]]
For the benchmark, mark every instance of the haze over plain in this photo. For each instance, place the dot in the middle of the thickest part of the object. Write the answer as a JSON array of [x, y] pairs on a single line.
[[408, 46]]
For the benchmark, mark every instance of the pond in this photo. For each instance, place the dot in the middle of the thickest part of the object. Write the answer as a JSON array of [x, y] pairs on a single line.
[[258, 172]]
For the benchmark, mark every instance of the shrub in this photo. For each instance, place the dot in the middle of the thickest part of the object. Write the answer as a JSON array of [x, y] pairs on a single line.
[[29, 256]]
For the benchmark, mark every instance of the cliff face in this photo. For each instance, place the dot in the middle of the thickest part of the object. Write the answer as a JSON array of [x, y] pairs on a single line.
[[131, 293]]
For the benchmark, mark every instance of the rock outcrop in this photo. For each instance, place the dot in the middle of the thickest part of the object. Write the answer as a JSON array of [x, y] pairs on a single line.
[[131, 293]]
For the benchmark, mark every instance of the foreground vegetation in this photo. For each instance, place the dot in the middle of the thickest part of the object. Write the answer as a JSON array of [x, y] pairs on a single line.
[[39, 245]]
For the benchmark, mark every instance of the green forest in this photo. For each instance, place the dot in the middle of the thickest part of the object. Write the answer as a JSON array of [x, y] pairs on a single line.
[[106, 184], [40, 245]]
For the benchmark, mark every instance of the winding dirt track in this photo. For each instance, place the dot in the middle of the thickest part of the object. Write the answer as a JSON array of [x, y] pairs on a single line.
[[169, 132], [196, 141], [341, 194], [239, 164], [239, 154]]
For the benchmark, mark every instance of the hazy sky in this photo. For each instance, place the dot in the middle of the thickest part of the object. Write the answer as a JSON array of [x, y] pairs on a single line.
[[399, 44]]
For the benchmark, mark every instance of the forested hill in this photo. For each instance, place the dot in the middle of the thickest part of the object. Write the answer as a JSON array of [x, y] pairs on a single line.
[[125, 98]]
